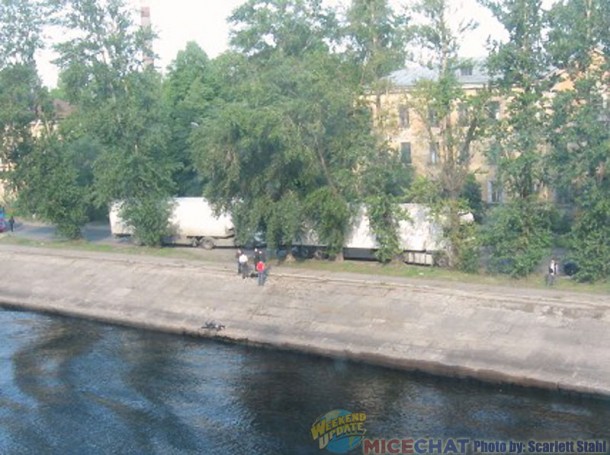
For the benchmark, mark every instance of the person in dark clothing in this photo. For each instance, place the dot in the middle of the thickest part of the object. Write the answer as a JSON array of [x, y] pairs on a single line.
[[237, 255], [11, 223]]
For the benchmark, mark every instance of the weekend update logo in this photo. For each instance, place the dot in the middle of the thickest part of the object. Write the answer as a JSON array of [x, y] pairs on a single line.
[[339, 431]]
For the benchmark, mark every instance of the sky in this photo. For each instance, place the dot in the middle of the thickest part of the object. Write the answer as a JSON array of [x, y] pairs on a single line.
[[205, 22]]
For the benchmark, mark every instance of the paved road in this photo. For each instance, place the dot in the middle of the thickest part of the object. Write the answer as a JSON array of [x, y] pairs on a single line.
[[93, 232]]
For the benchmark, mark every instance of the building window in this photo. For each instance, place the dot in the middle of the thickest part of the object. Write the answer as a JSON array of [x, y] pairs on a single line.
[[405, 153], [434, 157], [493, 110], [466, 70], [494, 192], [403, 116]]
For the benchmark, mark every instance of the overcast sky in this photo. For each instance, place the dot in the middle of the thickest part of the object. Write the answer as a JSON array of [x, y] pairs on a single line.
[[204, 21]]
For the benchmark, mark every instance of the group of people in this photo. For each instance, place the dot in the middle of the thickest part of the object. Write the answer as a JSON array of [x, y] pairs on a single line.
[[243, 265]]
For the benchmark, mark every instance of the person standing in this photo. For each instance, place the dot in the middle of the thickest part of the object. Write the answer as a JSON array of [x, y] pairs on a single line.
[[237, 255], [243, 264], [553, 272], [261, 269], [11, 223]]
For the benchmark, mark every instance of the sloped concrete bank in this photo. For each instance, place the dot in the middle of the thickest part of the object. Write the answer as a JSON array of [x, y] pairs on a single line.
[[528, 337]]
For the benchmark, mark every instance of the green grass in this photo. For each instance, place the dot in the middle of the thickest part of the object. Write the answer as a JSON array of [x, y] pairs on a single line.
[[363, 267], [436, 273], [83, 245]]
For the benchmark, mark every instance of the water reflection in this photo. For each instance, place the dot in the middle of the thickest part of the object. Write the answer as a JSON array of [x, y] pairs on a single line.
[[70, 386]]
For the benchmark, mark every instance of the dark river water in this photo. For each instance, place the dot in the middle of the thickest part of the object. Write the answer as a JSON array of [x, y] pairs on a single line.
[[75, 387]]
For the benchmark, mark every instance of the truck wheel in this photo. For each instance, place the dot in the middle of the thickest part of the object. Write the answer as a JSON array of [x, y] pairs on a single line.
[[207, 244]]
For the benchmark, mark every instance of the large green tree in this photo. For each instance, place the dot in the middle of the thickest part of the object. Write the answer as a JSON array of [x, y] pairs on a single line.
[[189, 88], [376, 44], [118, 101], [579, 160], [519, 68], [451, 137], [24, 105], [282, 146]]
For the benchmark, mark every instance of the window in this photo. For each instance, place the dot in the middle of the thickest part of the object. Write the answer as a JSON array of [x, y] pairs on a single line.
[[405, 152], [403, 116], [466, 70], [494, 192], [434, 156]]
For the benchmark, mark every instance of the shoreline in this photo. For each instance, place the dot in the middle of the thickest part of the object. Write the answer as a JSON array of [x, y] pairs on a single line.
[[543, 339]]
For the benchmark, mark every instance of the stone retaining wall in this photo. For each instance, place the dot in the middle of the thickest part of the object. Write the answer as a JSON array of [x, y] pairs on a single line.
[[530, 337]]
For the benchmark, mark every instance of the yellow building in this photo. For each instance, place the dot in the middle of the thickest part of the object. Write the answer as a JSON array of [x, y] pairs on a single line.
[[412, 129]]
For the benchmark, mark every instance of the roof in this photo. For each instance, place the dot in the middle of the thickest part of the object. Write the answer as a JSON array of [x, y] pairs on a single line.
[[413, 73]]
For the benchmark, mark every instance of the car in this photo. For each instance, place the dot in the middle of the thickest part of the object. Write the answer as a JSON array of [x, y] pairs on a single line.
[[3, 225]]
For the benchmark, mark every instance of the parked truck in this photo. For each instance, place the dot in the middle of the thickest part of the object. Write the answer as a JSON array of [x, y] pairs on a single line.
[[192, 222], [420, 236]]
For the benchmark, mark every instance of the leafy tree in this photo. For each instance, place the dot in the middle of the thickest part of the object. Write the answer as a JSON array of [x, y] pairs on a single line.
[[376, 43], [436, 102], [518, 68], [52, 190], [189, 89], [21, 30], [385, 182], [580, 141], [288, 132], [518, 234], [376, 38], [118, 101], [24, 105], [576, 28]]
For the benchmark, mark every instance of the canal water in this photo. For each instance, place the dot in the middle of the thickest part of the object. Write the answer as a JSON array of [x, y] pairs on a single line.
[[69, 386]]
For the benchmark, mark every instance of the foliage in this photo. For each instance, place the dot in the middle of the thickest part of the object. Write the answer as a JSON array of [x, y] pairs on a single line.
[[376, 38], [517, 236], [519, 67], [591, 238], [386, 181], [518, 233], [436, 100], [52, 191], [189, 89], [149, 217], [384, 217], [119, 116], [21, 30], [471, 193], [579, 161], [329, 213], [288, 129]]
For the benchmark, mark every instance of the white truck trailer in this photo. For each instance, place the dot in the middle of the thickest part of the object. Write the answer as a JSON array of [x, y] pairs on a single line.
[[420, 237], [192, 222]]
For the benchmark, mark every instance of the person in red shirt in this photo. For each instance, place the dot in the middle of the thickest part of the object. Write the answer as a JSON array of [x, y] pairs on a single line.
[[261, 269]]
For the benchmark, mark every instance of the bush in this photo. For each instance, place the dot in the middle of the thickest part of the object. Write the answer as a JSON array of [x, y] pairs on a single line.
[[518, 237], [149, 218]]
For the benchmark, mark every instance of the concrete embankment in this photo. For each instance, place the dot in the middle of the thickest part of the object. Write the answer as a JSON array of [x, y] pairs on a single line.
[[540, 338]]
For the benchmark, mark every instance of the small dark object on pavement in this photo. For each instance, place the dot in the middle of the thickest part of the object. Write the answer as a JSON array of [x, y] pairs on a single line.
[[213, 325]]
